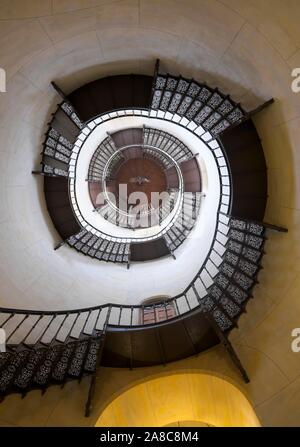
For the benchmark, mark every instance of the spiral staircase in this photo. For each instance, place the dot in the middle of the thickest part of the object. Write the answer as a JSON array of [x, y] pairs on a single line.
[[44, 347]]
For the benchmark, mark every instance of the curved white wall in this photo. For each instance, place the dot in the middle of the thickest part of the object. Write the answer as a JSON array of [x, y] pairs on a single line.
[[246, 48]]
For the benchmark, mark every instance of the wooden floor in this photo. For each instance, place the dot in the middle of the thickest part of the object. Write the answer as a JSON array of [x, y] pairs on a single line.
[[135, 167]]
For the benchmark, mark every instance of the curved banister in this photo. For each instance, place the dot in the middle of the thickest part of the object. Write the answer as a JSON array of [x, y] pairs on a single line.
[[123, 148], [116, 114], [223, 215], [112, 305], [46, 347]]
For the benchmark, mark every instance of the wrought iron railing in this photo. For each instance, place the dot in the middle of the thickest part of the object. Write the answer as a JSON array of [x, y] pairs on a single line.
[[62, 324], [32, 326], [148, 213], [72, 176], [220, 113], [46, 347]]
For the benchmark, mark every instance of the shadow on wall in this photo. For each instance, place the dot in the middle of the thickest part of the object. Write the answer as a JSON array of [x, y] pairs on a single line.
[[81, 77], [155, 396], [146, 67]]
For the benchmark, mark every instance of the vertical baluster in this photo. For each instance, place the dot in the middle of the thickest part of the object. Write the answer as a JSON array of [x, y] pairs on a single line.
[[131, 315], [54, 338], [97, 320], [17, 327], [143, 315], [88, 406], [82, 332], [7, 319], [69, 335], [166, 309], [154, 312], [107, 318], [120, 313], [208, 274], [196, 293], [39, 340], [31, 329], [187, 302]]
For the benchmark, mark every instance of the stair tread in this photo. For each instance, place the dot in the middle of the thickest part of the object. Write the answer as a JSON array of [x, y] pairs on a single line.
[[112, 92]]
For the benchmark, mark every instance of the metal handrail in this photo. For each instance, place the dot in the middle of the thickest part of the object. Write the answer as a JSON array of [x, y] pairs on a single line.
[[121, 309], [81, 221], [123, 148]]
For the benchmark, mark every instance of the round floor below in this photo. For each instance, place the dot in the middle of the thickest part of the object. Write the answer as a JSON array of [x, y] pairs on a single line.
[[141, 175]]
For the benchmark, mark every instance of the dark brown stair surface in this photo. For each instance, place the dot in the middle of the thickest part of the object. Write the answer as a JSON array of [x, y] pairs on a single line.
[[172, 177], [126, 137], [148, 250], [191, 175], [147, 346], [246, 161], [113, 92], [58, 205], [65, 126]]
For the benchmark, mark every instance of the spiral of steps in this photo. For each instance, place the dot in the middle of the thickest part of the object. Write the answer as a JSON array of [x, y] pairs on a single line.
[[44, 348], [148, 143]]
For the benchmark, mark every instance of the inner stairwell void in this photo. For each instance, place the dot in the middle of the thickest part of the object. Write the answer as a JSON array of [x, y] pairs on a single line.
[[46, 347]]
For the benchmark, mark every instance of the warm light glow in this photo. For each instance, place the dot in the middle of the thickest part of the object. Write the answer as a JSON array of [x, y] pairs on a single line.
[[174, 400]]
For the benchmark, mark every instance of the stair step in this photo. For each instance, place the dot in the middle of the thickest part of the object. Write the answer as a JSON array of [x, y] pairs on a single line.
[[43, 373], [107, 94], [63, 124], [78, 359], [60, 370], [10, 369], [25, 377]]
